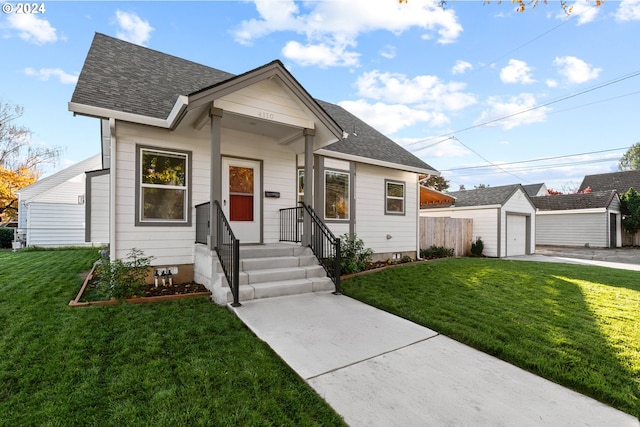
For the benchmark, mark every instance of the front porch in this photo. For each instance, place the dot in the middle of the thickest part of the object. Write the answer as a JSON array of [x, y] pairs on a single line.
[[235, 272]]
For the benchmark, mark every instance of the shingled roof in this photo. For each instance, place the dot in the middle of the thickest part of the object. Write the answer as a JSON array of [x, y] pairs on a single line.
[[619, 181], [561, 202], [485, 196], [124, 77]]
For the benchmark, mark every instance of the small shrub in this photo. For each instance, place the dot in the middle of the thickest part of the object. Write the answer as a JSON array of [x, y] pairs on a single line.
[[353, 255], [436, 252], [477, 247], [406, 258], [6, 237], [123, 279]]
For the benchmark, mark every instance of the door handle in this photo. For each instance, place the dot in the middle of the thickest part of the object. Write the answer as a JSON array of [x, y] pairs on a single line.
[[224, 203]]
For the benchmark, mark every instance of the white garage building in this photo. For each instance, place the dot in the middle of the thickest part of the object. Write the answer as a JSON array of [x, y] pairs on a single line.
[[503, 217]]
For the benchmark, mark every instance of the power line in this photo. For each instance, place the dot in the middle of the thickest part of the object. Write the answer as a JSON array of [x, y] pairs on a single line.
[[488, 161], [552, 166], [540, 159], [526, 110]]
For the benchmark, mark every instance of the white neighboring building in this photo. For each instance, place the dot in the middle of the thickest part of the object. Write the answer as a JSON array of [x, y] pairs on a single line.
[[588, 219], [503, 217], [51, 211]]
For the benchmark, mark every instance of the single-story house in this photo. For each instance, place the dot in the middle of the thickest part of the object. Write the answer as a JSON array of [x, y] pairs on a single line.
[[51, 211], [192, 148], [620, 182], [584, 219], [503, 217]]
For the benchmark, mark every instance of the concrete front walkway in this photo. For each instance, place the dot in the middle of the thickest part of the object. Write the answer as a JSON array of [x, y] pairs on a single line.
[[376, 369]]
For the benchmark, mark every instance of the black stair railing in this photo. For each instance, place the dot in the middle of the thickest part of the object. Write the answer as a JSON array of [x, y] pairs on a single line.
[[324, 245], [228, 249]]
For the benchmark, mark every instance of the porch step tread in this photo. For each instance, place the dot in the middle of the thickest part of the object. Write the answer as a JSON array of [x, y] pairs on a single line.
[[277, 262], [270, 251], [284, 273], [282, 288]]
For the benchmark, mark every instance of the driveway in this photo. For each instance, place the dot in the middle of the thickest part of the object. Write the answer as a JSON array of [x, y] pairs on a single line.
[[627, 255]]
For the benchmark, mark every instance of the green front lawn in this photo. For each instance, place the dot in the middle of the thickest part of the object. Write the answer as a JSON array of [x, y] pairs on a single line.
[[186, 362], [576, 325]]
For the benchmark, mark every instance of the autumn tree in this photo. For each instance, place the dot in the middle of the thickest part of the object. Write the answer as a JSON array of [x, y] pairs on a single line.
[[437, 182], [19, 159], [522, 5], [630, 160]]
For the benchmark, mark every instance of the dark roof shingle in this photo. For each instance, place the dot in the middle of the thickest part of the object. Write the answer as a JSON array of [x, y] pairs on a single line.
[[484, 196], [619, 181], [125, 77], [559, 202]]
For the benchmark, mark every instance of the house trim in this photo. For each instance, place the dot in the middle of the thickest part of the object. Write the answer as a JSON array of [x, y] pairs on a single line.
[[573, 211], [89, 195], [366, 160]]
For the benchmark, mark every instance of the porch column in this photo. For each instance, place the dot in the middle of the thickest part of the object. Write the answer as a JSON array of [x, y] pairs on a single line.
[[215, 184], [308, 183]]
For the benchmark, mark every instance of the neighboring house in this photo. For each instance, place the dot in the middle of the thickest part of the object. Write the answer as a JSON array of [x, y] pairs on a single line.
[[430, 197], [178, 135], [620, 182], [503, 217], [584, 219], [535, 189], [51, 211]]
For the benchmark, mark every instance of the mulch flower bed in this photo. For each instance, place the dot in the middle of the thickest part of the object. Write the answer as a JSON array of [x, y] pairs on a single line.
[[89, 295]]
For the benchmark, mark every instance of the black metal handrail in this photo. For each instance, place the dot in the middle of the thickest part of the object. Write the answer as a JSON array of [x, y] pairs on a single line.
[[202, 222], [228, 250], [324, 245], [291, 224]]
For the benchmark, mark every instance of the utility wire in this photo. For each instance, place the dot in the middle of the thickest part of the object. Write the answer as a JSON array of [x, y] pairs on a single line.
[[542, 159], [553, 166], [488, 161]]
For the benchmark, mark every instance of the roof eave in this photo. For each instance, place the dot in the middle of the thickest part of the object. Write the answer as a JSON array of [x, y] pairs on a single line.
[[375, 162], [173, 119]]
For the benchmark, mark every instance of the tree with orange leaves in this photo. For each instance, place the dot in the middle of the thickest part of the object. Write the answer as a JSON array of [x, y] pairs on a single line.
[[522, 5], [19, 159]]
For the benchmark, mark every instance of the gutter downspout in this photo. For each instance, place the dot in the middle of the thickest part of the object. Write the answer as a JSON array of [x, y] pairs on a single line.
[[112, 189]]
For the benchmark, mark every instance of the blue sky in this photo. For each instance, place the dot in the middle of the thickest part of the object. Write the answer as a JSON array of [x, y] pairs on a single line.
[[479, 91]]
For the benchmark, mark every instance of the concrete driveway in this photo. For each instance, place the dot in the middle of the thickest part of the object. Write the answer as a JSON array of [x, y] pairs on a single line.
[[623, 258]]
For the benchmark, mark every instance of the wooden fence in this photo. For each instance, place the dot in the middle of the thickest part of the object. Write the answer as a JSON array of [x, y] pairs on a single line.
[[629, 239], [456, 233]]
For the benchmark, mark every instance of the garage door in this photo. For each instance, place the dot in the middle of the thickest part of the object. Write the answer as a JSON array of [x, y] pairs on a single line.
[[516, 235]]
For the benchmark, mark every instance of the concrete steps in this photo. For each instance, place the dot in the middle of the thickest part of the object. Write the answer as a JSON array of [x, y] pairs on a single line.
[[268, 271]]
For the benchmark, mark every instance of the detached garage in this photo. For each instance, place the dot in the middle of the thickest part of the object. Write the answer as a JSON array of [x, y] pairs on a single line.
[[587, 219], [503, 217]]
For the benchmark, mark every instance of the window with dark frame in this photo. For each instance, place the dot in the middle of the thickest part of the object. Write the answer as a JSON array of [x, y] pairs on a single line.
[[336, 195], [394, 197], [163, 179]]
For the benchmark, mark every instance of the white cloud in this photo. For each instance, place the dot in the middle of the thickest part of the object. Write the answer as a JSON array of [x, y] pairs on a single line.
[[516, 72], [575, 70], [132, 28], [321, 55], [551, 83], [32, 29], [461, 67], [583, 11], [628, 10], [513, 112], [340, 22], [388, 52], [428, 91], [391, 118], [45, 73], [431, 147]]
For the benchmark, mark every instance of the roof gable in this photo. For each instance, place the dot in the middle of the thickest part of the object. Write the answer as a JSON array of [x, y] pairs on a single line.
[[561, 202], [45, 184], [485, 196], [619, 181], [125, 81]]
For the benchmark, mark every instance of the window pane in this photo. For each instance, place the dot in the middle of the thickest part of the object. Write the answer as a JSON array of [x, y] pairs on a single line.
[[159, 203], [336, 195], [395, 205], [163, 168], [240, 180], [301, 182], [395, 190]]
